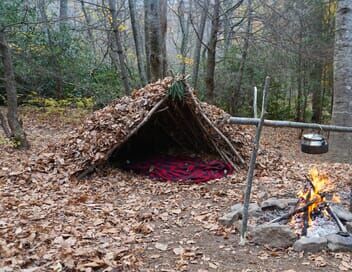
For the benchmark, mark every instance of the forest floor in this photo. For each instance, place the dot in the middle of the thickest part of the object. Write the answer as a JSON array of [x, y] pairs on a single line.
[[123, 221]]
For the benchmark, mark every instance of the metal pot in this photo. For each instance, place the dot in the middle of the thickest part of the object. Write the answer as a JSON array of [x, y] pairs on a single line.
[[314, 144]]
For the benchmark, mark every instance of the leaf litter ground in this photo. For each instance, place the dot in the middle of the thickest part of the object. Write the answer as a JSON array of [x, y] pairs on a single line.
[[121, 221]]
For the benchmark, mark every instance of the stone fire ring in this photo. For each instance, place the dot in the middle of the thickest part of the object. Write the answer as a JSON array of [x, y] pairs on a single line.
[[276, 235]]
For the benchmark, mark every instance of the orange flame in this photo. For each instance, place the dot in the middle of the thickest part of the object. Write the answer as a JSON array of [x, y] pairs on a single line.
[[320, 184]]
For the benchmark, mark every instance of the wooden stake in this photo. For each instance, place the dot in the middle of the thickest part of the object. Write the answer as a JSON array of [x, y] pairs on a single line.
[[351, 197], [247, 194], [255, 95]]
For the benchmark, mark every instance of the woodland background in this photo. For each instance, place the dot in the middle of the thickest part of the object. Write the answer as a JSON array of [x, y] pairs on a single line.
[[86, 53], [63, 58]]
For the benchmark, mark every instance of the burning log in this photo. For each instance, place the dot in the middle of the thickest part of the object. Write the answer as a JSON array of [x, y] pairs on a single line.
[[292, 213], [312, 215], [306, 214], [310, 182]]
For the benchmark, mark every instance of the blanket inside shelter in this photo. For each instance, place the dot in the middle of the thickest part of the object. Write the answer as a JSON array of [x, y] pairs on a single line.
[[180, 168]]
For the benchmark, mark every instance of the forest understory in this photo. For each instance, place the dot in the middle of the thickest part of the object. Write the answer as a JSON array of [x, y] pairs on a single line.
[[117, 221]]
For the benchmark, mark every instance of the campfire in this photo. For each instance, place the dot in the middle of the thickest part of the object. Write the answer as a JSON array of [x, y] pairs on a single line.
[[313, 215], [315, 220]]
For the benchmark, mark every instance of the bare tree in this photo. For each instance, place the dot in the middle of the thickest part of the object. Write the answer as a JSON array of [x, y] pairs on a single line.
[[118, 43], [12, 126], [147, 38], [211, 51], [299, 116], [63, 15], [163, 28], [184, 18], [235, 94], [157, 31], [137, 41], [89, 27], [53, 55], [341, 144], [198, 46]]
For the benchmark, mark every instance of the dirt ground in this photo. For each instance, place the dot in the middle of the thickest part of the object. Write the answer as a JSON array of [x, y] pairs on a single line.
[[116, 221]]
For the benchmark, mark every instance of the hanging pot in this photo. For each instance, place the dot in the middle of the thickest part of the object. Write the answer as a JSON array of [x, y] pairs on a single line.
[[314, 144]]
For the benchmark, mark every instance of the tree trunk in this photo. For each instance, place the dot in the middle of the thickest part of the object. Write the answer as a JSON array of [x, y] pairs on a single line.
[[147, 39], [163, 28], [89, 29], [156, 51], [5, 126], [181, 15], [120, 50], [305, 92], [236, 94], [198, 46], [317, 86], [299, 80], [53, 59], [14, 124], [63, 15], [341, 144], [137, 40], [211, 58]]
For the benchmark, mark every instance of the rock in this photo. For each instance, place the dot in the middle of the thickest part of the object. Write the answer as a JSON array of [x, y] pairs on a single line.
[[274, 235], [228, 219], [238, 226], [262, 195], [253, 209], [236, 213], [160, 246], [310, 244], [338, 242], [278, 203], [349, 227], [237, 207], [342, 213]]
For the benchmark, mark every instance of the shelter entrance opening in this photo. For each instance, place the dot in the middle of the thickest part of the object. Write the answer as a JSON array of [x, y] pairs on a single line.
[[171, 146]]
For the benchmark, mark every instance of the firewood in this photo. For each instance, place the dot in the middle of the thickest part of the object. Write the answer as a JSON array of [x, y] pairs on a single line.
[[336, 218], [292, 213]]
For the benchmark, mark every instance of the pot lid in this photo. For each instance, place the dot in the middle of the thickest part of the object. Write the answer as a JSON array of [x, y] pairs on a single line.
[[313, 137]]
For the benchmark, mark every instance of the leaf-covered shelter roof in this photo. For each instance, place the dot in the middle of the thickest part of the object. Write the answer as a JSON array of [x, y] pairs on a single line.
[[90, 145]]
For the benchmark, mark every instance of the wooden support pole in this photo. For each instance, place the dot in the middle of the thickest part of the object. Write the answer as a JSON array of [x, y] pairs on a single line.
[[248, 191], [300, 125], [255, 98]]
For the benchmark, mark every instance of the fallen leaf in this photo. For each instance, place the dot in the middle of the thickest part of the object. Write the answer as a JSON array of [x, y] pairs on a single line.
[[320, 261], [176, 211], [98, 222]]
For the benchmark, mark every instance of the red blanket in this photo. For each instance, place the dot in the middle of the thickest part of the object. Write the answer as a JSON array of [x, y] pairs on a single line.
[[172, 168]]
